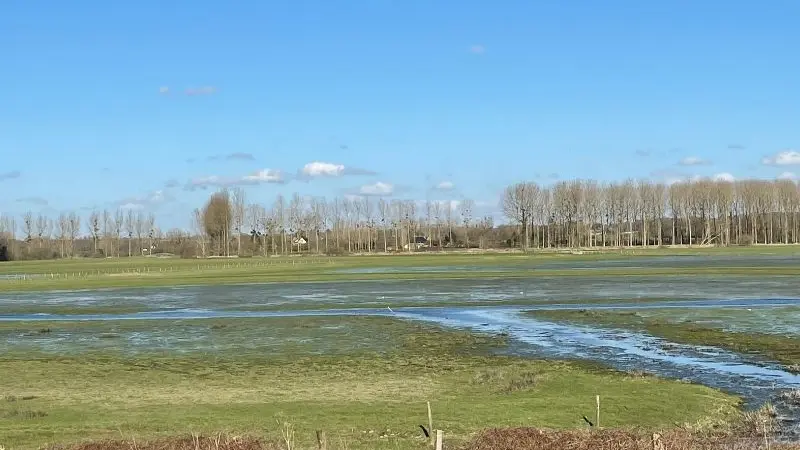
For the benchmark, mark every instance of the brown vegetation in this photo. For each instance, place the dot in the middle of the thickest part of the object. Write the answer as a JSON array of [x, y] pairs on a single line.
[[218, 442], [535, 439], [568, 214]]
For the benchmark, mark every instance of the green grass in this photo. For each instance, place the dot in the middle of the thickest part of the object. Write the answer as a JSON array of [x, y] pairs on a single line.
[[355, 378], [144, 272], [781, 348]]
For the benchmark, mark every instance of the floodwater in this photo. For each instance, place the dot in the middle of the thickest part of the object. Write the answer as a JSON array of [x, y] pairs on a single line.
[[754, 379], [380, 293]]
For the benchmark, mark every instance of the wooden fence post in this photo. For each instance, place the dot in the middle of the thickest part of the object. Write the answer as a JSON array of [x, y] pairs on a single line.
[[430, 421], [439, 439], [597, 424]]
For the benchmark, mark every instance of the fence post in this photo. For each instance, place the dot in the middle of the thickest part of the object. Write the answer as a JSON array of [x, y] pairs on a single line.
[[439, 439], [598, 412], [430, 420], [322, 441]]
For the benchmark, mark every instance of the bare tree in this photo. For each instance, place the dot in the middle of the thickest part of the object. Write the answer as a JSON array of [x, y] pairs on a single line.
[[383, 216], [63, 233], [93, 226], [517, 204], [42, 229], [129, 226], [152, 232], [238, 210], [198, 224], [466, 207], [27, 226], [108, 239], [74, 228]]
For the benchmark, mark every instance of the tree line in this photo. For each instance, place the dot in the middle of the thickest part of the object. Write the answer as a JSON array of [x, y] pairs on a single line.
[[567, 214], [586, 213]]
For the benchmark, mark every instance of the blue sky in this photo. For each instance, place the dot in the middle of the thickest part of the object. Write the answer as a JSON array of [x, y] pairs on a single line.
[[143, 103]]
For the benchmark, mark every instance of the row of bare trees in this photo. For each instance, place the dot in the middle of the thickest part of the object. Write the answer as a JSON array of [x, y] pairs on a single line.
[[42, 237], [586, 213], [568, 214], [341, 225]]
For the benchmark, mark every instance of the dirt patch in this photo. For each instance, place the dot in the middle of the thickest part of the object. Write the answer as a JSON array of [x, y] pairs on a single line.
[[536, 439]]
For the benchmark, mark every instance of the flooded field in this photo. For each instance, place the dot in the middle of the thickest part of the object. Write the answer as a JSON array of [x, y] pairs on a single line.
[[398, 293], [194, 318]]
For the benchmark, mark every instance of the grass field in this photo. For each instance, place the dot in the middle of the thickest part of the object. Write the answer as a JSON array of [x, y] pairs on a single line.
[[136, 272], [718, 329], [365, 381]]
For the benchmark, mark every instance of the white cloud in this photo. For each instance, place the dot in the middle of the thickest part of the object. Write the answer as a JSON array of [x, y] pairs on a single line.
[[784, 158], [376, 189], [259, 177], [724, 176], [693, 161], [148, 201], [787, 176], [319, 169], [445, 186], [323, 169], [264, 176]]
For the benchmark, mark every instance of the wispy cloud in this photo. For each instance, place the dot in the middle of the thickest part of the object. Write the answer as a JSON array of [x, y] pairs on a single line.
[[477, 49], [10, 175], [644, 152], [784, 158], [445, 186], [260, 177], [376, 189], [169, 184], [787, 176], [38, 201], [150, 200], [319, 169], [693, 161], [736, 147]]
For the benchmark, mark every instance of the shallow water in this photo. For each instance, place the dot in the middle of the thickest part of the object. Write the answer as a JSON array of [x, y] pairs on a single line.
[[383, 293]]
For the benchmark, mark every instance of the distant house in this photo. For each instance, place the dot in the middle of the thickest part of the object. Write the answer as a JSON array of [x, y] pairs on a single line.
[[419, 242], [299, 241]]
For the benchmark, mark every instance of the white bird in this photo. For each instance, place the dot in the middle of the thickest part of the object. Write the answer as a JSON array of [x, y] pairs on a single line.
[[390, 310]]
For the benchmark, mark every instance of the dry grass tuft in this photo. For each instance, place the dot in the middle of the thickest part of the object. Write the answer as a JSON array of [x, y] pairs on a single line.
[[792, 397], [763, 421], [535, 439], [193, 442]]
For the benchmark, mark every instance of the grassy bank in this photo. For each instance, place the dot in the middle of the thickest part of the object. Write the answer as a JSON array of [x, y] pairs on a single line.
[[781, 348], [365, 381], [156, 272]]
